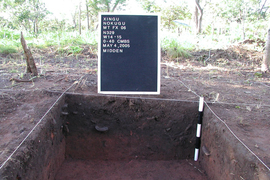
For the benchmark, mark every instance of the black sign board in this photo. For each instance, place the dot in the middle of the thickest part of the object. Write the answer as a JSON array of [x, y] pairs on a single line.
[[129, 54]]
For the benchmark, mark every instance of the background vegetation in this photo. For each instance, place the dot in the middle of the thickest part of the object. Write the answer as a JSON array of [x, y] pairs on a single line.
[[201, 24]]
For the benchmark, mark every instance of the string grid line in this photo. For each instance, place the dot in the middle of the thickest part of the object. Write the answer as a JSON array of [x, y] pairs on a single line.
[[226, 125], [16, 149], [189, 89]]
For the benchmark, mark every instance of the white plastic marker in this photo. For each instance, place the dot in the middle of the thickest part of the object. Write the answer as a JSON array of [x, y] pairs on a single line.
[[198, 133]]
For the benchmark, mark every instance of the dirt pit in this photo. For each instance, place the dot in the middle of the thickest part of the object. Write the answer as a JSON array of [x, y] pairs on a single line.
[[120, 138], [99, 137], [108, 137]]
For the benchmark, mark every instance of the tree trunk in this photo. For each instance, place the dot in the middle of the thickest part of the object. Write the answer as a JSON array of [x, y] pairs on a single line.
[[195, 16], [198, 20], [36, 23], [80, 22], [243, 30], [34, 27], [115, 5], [74, 20], [30, 62], [266, 57], [262, 8], [87, 15]]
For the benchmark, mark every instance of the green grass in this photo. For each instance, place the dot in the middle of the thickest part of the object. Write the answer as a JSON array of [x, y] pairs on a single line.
[[66, 42], [75, 50], [175, 47], [7, 49], [9, 41], [258, 74], [6, 33]]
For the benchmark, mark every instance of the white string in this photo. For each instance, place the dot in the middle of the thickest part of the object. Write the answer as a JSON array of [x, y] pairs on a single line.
[[189, 89], [3, 164], [244, 104], [264, 84], [236, 136], [227, 127]]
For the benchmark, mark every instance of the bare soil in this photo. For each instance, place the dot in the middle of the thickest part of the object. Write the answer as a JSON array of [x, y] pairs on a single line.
[[143, 139], [229, 79], [129, 170]]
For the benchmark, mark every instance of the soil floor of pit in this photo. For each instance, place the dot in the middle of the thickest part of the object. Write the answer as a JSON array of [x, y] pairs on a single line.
[[129, 170]]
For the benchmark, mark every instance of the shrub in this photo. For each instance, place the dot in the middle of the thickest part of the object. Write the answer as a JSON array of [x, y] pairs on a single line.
[[7, 49], [175, 49]]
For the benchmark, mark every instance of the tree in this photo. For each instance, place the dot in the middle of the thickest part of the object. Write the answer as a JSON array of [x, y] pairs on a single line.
[[169, 13], [87, 15], [105, 5], [266, 57], [39, 11], [240, 11], [80, 18], [93, 7], [25, 13], [262, 10], [150, 6], [198, 14], [110, 5], [174, 12]]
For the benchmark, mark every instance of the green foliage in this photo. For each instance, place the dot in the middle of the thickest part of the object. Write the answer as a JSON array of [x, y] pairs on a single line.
[[26, 14], [67, 42], [208, 29], [69, 50], [6, 33], [237, 10], [175, 49], [9, 41], [54, 25], [174, 13], [231, 20], [75, 49], [168, 13], [258, 74], [7, 49], [14, 71], [104, 5], [64, 39], [239, 19], [150, 6]]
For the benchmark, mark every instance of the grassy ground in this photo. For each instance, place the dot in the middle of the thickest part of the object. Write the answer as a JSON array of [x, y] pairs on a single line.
[[173, 44], [69, 42]]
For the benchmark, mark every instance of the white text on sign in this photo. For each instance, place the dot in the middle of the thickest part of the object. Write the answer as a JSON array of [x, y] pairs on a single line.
[[112, 37]]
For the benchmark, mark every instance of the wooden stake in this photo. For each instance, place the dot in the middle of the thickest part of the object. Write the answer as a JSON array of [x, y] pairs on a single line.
[[31, 66]]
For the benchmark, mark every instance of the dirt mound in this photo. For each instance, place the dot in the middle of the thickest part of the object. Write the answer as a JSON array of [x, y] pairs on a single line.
[[258, 42], [237, 55]]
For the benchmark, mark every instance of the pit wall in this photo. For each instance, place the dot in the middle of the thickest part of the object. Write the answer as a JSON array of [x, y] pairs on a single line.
[[228, 159], [41, 155], [137, 128]]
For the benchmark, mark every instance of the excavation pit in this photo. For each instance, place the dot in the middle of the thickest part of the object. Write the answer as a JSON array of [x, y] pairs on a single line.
[[128, 138], [106, 137]]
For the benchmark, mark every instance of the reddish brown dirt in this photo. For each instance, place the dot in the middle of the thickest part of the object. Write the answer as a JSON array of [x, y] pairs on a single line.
[[129, 170], [19, 112], [229, 79]]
